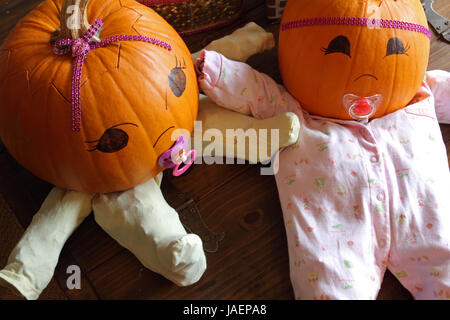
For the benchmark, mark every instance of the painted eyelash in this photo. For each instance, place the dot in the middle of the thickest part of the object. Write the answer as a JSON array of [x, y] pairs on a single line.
[[329, 51], [407, 47], [325, 50]]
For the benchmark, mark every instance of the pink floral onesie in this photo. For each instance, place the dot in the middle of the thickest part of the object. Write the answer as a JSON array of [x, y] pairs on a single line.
[[357, 198]]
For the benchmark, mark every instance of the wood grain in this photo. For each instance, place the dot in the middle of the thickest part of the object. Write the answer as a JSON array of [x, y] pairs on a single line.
[[252, 261]]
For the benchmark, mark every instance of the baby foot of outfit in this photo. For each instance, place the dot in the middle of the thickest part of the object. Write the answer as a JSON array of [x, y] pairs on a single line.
[[141, 221], [183, 258]]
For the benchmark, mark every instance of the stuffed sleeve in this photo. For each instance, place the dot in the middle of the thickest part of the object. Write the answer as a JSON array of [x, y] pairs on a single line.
[[237, 86], [439, 83]]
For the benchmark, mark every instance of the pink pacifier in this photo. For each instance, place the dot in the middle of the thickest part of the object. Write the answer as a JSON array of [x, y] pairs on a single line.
[[362, 108], [178, 154]]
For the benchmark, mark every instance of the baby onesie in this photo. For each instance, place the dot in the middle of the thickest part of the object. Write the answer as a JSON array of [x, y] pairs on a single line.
[[357, 198]]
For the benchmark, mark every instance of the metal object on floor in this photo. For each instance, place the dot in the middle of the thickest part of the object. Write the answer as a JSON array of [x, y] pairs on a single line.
[[190, 216], [438, 22]]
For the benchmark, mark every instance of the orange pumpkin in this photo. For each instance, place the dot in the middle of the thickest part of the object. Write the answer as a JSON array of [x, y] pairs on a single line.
[[131, 100], [321, 63]]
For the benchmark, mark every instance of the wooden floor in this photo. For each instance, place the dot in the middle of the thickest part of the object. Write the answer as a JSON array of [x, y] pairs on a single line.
[[252, 261]]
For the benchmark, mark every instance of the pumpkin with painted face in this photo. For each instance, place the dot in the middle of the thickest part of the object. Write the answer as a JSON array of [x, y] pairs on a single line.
[[353, 59], [124, 100]]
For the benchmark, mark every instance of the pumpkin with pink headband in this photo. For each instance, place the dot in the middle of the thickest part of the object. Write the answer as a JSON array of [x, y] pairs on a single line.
[[93, 108], [373, 63]]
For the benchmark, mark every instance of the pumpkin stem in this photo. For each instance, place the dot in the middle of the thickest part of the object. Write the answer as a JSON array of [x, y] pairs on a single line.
[[74, 23]]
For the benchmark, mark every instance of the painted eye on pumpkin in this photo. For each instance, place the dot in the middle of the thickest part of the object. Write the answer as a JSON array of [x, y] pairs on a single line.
[[177, 79], [340, 44], [395, 46], [112, 140]]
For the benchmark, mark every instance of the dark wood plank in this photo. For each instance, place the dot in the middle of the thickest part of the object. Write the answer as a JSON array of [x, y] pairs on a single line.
[[12, 11], [391, 289], [204, 179], [22, 204]]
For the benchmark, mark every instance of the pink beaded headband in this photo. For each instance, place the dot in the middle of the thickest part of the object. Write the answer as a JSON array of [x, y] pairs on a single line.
[[363, 22]]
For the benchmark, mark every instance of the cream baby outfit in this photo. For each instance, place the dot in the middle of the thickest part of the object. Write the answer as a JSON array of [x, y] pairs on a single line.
[[357, 198]]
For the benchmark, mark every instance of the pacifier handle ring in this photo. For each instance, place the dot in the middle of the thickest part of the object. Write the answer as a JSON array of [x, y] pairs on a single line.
[[166, 159], [177, 171]]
